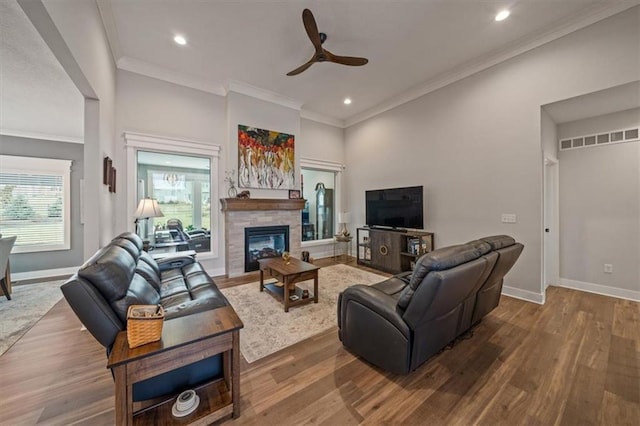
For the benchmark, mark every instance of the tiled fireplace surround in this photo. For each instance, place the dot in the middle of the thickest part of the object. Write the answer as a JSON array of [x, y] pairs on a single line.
[[241, 214]]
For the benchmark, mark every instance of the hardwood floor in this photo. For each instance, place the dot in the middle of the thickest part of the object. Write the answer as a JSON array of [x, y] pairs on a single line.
[[575, 360]]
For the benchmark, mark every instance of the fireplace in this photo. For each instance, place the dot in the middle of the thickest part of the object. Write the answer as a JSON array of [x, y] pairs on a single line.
[[262, 242]]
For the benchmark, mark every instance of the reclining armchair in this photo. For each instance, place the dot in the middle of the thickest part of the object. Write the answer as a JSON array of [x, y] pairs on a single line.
[[403, 321]]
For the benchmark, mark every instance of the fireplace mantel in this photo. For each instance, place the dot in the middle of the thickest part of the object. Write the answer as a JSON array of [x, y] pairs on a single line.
[[251, 204]]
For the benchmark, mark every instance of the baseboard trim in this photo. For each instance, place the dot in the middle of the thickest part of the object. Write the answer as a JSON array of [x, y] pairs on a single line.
[[215, 272], [44, 273], [521, 294], [603, 290]]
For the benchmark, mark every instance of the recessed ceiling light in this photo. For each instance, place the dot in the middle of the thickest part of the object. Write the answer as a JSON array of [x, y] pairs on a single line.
[[180, 40], [347, 101], [502, 15]]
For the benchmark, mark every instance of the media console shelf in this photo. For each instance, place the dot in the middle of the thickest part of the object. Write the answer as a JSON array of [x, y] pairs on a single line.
[[391, 250]]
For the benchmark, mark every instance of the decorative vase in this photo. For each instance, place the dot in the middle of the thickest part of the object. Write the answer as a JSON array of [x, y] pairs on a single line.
[[233, 192], [286, 256]]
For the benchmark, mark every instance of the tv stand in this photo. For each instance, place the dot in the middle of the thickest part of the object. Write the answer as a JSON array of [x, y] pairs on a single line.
[[382, 228], [391, 250]]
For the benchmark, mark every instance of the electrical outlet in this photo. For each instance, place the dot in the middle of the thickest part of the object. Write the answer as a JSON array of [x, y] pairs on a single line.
[[508, 218], [608, 268]]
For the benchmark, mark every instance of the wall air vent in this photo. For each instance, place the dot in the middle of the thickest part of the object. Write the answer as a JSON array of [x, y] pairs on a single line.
[[586, 141]]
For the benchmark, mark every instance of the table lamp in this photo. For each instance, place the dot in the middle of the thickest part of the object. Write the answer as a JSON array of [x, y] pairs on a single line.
[[147, 208], [344, 218]]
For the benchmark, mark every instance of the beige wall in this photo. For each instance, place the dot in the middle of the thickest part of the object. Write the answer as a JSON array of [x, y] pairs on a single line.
[[155, 107], [80, 25], [600, 206], [147, 105], [475, 145]]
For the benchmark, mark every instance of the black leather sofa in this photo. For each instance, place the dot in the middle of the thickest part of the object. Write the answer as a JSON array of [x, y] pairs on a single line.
[[122, 274], [401, 322]]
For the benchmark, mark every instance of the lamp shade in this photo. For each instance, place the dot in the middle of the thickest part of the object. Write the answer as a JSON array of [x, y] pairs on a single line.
[[148, 207], [344, 217]]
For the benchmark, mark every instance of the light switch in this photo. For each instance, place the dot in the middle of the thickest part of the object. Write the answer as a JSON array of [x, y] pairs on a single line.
[[508, 218]]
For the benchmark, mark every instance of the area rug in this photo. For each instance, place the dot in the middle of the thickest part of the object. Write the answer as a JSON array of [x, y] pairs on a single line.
[[29, 303], [268, 328]]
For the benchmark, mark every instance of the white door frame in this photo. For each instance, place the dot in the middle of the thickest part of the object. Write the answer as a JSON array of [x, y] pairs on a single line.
[[551, 221]]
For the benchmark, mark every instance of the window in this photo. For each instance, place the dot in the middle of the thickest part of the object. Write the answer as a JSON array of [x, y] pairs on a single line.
[[320, 189], [181, 185], [182, 176], [35, 203]]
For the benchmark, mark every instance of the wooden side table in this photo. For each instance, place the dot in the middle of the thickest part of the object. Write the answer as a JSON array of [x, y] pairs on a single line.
[[184, 341], [289, 273], [347, 241]]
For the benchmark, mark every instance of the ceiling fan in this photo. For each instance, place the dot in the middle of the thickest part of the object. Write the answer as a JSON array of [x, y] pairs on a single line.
[[322, 54]]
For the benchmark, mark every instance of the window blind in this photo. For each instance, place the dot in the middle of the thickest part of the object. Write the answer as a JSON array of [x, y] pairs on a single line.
[[34, 196]]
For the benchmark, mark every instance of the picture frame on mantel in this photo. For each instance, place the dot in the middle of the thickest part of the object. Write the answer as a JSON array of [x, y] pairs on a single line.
[[294, 194]]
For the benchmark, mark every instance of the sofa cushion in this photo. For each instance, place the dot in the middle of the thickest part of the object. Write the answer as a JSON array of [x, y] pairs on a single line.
[[172, 286], [441, 260], [134, 238], [146, 258], [140, 292], [499, 241], [392, 286], [128, 245], [446, 258], [149, 274], [110, 271], [192, 268]]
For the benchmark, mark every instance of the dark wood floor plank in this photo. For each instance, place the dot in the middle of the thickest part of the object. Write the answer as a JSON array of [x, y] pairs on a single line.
[[618, 411], [623, 377], [575, 360]]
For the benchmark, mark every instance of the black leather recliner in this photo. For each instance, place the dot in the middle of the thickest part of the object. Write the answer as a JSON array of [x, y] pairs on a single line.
[[401, 322], [122, 274]]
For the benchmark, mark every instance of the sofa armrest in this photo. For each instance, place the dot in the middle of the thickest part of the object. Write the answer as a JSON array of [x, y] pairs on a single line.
[[374, 299], [174, 262], [370, 327]]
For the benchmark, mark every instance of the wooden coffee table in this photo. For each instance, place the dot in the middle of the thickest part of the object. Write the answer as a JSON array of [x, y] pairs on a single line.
[[289, 273]]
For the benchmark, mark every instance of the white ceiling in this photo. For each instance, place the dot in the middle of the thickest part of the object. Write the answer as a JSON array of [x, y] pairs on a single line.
[[37, 97], [614, 99], [413, 46], [407, 42]]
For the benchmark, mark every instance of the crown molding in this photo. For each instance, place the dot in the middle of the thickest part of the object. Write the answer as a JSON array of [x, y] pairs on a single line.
[[589, 16], [320, 118], [110, 28], [156, 142], [263, 94], [40, 136], [137, 66], [321, 164]]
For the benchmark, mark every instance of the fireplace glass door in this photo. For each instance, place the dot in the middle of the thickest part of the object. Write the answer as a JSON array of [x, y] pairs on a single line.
[[264, 242]]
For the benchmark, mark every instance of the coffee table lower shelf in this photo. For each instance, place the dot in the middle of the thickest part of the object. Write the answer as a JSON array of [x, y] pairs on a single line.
[[215, 404], [278, 290]]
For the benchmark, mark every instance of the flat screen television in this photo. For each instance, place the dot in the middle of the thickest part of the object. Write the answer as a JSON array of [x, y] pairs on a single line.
[[395, 208]]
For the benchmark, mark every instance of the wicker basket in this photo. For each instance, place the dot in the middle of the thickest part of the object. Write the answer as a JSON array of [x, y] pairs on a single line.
[[144, 324]]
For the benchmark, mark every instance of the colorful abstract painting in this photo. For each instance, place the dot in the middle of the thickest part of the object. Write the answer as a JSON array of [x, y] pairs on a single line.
[[265, 159]]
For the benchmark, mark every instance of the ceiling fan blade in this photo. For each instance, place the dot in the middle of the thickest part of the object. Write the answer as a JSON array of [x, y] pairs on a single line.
[[346, 60], [312, 29], [302, 67]]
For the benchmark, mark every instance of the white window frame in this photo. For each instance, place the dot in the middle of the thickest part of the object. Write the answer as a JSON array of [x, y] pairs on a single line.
[[337, 169], [50, 167], [135, 142]]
